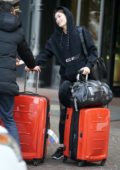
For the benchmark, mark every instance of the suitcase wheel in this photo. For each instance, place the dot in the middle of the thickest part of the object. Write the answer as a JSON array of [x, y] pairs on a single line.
[[65, 159], [81, 163], [36, 162], [102, 163]]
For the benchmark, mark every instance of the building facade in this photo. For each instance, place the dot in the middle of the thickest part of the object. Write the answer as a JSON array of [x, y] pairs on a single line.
[[101, 17]]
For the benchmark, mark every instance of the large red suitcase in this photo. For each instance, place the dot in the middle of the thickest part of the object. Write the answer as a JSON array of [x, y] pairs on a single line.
[[86, 135], [31, 113]]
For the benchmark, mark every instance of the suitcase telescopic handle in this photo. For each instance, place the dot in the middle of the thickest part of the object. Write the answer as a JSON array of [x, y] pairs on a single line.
[[36, 83]]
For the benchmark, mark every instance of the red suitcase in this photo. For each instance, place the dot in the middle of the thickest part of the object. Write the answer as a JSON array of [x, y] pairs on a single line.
[[31, 113], [86, 135]]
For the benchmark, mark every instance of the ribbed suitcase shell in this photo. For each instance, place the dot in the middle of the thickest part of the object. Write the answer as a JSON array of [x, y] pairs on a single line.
[[31, 113], [93, 134]]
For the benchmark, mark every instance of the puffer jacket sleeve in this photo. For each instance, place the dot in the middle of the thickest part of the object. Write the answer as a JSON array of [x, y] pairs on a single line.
[[45, 54], [26, 54], [91, 48]]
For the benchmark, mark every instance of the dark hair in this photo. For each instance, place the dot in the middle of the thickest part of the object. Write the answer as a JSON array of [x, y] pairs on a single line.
[[5, 6], [58, 9]]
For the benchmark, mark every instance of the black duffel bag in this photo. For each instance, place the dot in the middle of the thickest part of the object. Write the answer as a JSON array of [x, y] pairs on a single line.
[[91, 93], [86, 93]]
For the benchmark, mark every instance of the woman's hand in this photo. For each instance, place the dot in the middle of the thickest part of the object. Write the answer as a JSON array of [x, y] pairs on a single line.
[[85, 70], [36, 68]]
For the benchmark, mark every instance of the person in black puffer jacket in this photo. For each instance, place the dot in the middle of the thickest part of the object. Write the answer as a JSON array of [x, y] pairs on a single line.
[[66, 46], [12, 42]]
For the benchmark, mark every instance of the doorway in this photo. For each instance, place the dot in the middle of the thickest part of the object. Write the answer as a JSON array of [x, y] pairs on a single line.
[[111, 44]]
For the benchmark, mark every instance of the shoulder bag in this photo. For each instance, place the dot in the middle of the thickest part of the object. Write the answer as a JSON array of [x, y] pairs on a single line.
[[99, 70]]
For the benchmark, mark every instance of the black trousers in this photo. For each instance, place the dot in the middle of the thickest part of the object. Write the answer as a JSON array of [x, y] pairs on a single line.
[[63, 110]]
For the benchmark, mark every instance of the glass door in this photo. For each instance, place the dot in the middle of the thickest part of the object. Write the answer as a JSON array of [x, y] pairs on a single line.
[[90, 17], [111, 44], [116, 74]]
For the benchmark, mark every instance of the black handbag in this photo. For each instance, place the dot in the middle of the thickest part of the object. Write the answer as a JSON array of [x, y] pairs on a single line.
[[99, 70], [91, 93], [84, 93]]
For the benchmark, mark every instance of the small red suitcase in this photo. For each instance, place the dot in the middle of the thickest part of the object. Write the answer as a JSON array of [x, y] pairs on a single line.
[[86, 135], [31, 113]]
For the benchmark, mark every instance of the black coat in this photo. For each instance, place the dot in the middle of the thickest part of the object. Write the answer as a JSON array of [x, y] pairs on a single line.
[[12, 43], [67, 46]]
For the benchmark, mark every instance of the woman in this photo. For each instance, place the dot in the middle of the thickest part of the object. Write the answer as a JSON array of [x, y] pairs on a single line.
[[66, 46]]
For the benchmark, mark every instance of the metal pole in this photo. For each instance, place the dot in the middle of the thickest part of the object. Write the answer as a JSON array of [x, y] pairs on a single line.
[[36, 26], [35, 31], [100, 32], [79, 3]]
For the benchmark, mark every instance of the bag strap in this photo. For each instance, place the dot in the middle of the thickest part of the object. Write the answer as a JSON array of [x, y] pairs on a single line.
[[80, 30]]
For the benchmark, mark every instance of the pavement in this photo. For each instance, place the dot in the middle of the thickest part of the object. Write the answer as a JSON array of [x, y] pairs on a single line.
[[113, 161]]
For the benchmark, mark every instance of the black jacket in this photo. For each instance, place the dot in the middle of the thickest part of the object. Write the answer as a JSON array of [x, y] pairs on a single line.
[[12, 42], [67, 46]]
